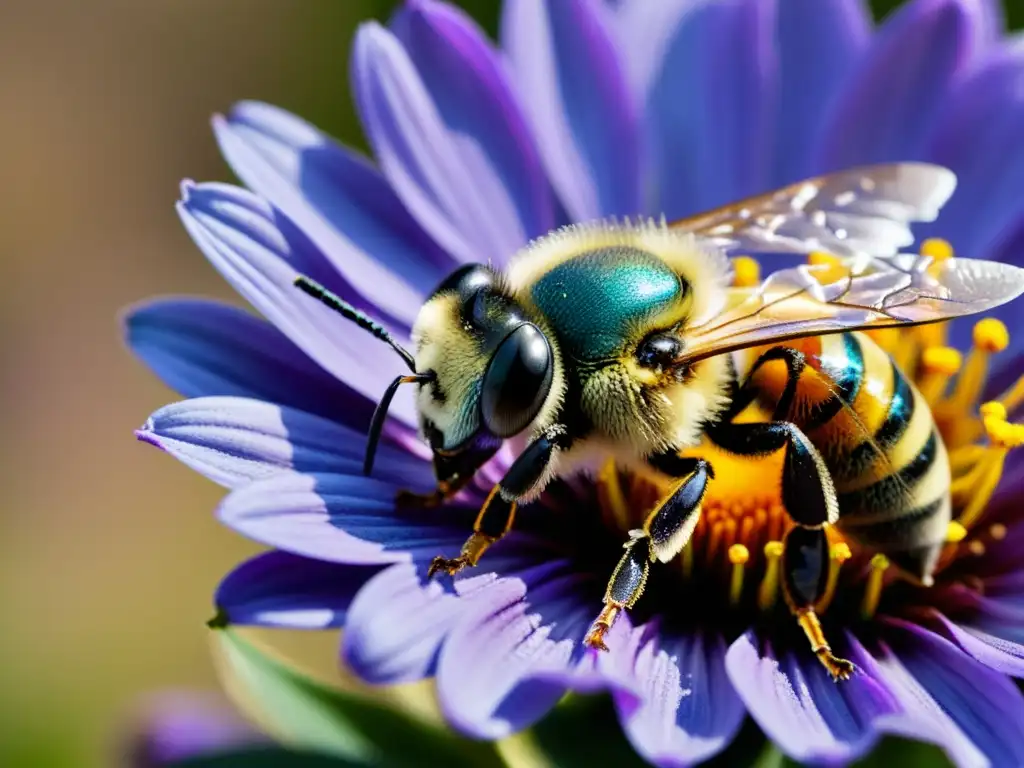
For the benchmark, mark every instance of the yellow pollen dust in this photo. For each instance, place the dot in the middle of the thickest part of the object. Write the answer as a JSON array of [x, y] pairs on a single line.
[[937, 248], [746, 272]]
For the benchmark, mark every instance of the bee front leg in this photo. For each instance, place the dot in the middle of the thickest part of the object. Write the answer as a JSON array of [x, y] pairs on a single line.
[[454, 472], [527, 473], [810, 499], [666, 531]]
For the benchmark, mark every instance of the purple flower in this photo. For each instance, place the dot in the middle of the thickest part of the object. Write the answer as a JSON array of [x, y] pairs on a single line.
[[589, 110], [174, 726]]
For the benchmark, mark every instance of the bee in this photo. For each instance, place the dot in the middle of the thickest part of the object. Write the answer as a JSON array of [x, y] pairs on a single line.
[[625, 341]]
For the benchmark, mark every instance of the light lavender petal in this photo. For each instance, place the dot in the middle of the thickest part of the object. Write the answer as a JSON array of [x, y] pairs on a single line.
[[260, 252], [566, 64]]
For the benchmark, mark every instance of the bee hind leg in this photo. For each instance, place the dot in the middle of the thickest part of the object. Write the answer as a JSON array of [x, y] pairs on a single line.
[[527, 473], [666, 531], [810, 499]]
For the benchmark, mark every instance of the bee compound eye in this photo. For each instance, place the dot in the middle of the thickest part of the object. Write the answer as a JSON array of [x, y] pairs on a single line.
[[517, 381]]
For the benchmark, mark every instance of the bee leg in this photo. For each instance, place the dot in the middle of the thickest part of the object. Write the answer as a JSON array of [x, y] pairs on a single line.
[[810, 499], [498, 512], [666, 531], [804, 577]]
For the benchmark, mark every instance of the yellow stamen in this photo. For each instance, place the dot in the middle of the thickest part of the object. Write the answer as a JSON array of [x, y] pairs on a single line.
[[738, 556], [997, 531], [616, 499], [769, 589], [955, 532], [964, 458], [839, 554], [873, 590], [746, 272], [830, 267], [937, 248], [993, 410], [939, 364], [990, 336], [976, 548], [983, 485], [1014, 396]]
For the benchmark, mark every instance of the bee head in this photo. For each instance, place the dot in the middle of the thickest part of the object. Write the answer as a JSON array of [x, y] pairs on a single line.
[[493, 368]]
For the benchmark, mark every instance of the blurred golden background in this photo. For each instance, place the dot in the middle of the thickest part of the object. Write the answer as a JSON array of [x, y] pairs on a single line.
[[108, 549]]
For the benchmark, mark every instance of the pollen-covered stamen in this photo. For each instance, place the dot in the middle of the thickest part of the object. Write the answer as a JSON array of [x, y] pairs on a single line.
[[839, 553], [746, 272], [937, 248], [938, 366], [738, 556], [974, 489], [768, 592], [873, 589]]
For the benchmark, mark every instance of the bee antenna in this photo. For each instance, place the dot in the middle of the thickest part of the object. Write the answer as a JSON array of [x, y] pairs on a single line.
[[310, 286], [380, 413]]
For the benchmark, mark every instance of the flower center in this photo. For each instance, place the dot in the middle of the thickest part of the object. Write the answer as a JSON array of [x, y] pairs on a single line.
[[737, 546]]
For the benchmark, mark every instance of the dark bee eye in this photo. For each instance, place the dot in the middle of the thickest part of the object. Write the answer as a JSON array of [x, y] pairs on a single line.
[[516, 382], [659, 351]]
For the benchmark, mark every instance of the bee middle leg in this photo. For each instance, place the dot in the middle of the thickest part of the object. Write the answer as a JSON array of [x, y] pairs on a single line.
[[810, 499], [498, 512], [666, 531]]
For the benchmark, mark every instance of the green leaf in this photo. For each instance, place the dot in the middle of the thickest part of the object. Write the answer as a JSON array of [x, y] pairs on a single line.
[[305, 713], [266, 757], [584, 730], [906, 754]]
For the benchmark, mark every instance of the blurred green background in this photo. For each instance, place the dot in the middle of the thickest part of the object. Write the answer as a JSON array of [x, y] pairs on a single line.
[[108, 551]]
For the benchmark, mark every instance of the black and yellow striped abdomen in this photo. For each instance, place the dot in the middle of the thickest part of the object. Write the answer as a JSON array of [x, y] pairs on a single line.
[[878, 439]]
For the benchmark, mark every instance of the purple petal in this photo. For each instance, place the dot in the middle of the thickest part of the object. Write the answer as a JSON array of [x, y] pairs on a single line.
[[979, 139], [516, 650], [683, 709], [397, 624], [995, 652], [891, 102], [464, 78], [342, 519], [443, 176], [973, 712], [201, 348], [710, 105], [801, 708], [818, 46], [260, 251], [234, 441], [585, 116], [278, 589], [181, 725], [339, 201]]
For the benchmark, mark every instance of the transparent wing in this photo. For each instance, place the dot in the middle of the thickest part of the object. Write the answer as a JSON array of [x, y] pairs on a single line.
[[856, 293], [861, 210]]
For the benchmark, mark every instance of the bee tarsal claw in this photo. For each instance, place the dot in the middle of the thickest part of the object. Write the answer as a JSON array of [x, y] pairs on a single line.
[[451, 566], [595, 638], [840, 669]]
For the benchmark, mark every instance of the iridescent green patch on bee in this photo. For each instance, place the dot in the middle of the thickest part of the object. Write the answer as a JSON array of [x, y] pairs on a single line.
[[594, 300]]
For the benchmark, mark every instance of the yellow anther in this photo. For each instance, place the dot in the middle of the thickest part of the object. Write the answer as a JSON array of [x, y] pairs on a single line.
[[769, 588], [738, 556], [939, 363], [993, 410], [937, 248], [991, 335], [838, 554], [1002, 433], [976, 548], [873, 590], [981, 482], [746, 272], [955, 532], [997, 531], [817, 258], [942, 360]]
